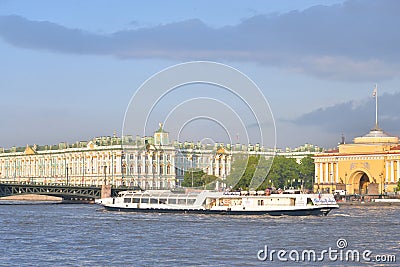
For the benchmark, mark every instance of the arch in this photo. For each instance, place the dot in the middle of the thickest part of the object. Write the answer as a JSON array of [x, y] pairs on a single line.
[[359, 181]]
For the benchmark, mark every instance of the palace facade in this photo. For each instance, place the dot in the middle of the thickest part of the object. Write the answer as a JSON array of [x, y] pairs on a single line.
[[149, 162], [370, 165]]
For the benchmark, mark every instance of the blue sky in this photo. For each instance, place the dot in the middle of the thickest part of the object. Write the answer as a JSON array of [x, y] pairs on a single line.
[[69, 68]]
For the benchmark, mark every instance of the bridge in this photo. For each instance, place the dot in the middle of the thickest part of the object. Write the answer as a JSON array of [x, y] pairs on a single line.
[[66, 192]]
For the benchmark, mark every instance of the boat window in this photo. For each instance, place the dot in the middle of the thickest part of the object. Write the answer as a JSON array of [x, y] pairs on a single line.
[[162, 201], [191, 201], [260, 202], [136, 200], [145, 200], [182, 201], [127, 200], [172, 201], [153, 201]]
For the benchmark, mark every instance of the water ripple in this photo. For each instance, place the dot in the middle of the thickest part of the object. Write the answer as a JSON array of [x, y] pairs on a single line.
[[84, 235]]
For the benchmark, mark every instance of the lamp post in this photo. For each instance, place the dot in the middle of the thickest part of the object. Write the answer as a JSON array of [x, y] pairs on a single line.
[[302, 182], [105, 175], [67, 173], [345, 183], [192, 176]]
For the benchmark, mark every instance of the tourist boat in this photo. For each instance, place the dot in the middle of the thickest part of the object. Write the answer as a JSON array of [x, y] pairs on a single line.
[[209, 202]]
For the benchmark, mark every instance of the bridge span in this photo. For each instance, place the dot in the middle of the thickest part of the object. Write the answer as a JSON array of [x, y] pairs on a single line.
[[67, 193]]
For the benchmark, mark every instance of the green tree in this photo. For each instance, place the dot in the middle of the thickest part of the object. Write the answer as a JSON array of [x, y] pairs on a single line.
[[200, 179], [193, 178], [248, 171], [209, 181], [307, 171], [284, 173]]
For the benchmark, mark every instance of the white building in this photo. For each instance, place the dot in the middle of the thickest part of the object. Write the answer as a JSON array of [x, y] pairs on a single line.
[[148, 162]]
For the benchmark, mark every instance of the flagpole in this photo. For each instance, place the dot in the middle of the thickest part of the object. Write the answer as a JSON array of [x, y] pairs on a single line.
[[376, 107]]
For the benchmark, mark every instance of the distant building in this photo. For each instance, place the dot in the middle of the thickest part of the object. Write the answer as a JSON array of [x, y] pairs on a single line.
[[113, 160], [370, 165]]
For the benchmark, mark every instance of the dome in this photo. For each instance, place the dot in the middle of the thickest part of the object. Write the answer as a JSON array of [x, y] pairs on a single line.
[[376, 136]]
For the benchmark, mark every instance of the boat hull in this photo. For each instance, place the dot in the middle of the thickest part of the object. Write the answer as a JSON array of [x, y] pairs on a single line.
[[317, 211]]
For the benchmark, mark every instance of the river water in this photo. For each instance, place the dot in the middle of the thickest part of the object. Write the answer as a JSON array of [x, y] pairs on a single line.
[[86, 235]]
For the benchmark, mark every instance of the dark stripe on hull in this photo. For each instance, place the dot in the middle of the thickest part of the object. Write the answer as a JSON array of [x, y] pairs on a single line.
[[323, 211]]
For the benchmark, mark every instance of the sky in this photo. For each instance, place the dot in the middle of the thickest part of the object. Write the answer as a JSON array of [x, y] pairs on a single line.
[[69, 69]]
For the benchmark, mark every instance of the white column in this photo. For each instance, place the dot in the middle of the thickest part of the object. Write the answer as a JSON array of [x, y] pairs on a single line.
[[398, 170], [229, 166], [223, 166], [172, 159], [2, 169], [88, 165], [316, 173], [326, 172], [337, 172], [216, 166], [321, 173], [119, 167], [332, 173], [387, 172], [392, 171]]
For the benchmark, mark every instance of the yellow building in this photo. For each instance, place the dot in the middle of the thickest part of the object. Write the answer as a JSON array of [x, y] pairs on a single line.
[[370, 165]]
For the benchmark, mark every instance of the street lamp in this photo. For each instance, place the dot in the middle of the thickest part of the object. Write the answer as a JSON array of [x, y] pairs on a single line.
[[67, 173], [105, 174]]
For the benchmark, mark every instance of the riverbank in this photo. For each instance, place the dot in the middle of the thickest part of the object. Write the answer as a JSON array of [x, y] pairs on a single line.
[[31, 197], [369, 203]]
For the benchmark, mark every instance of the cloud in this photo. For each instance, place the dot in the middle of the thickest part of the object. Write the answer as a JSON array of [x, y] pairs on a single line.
[[355, 119], [356, 40]]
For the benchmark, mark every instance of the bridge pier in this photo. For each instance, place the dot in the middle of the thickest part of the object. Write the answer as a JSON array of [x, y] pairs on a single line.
[[105, 191]]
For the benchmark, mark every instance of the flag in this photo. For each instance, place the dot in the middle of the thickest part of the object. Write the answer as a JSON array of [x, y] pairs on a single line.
[[375, 91]]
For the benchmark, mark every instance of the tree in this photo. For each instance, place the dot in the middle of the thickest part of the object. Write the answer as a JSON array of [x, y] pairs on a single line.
[[248, 171], [199, 178], [260, 173], [284, 173], [209, 181], [307, 171], [193, 178]]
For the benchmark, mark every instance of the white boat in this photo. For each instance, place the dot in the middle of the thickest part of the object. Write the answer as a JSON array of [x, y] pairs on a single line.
[[210, 202]]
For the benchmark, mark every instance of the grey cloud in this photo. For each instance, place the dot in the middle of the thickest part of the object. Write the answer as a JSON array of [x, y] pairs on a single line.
[[357, 40], [355, 119]]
